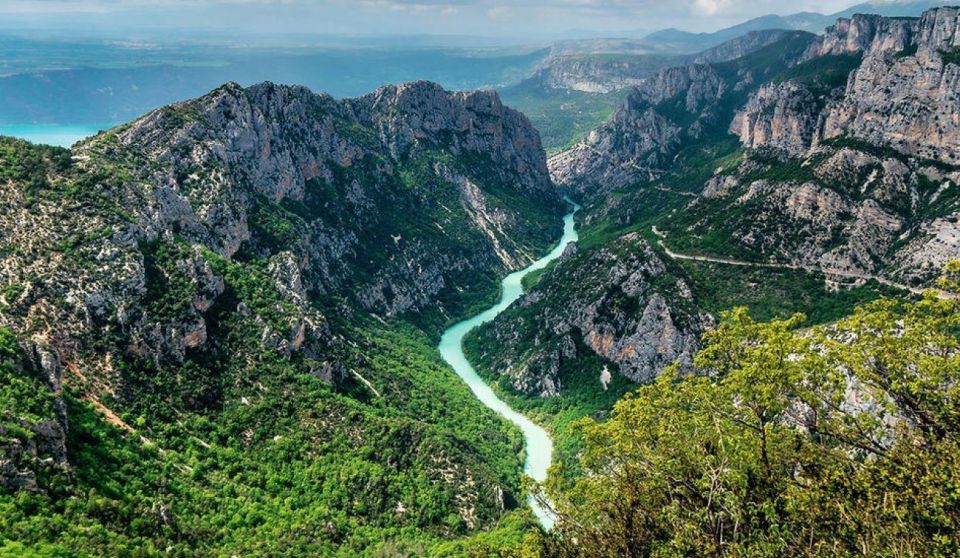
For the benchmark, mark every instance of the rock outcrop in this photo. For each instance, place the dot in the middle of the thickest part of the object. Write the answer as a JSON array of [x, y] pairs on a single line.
[[599, 73], [674, 108], [638, 139], [894, 121], [850, 162], [604, 66], [241, 219], [782, 116], [33, 428], [739, 47], [864, 33], [904, 93], [618, 302]]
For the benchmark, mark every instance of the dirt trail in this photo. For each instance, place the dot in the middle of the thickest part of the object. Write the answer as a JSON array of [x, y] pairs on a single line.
[[815, 269]]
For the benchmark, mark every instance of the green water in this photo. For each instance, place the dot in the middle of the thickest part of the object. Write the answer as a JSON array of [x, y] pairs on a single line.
[[539, 446], [52, 134]]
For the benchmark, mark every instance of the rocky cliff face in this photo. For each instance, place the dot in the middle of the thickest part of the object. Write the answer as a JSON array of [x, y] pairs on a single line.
[[848, 161], [841, 210], [629, 147], [739, 47], [614, 66], [33, 422], [255, 214], [902, 95], [600, 73], [618, 302], [639, 139], [336, 178], [782, 116], [893, 116], [673, 109], [864, 33], [905, 94]]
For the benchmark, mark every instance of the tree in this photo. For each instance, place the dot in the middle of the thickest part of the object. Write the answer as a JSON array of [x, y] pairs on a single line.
[[841, 440]]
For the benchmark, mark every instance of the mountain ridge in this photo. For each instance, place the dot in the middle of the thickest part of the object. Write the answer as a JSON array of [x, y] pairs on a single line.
[[263, 269]]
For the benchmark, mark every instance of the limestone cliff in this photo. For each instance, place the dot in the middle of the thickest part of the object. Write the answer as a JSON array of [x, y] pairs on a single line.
[[669, 111], [266, 220], [619, 302]]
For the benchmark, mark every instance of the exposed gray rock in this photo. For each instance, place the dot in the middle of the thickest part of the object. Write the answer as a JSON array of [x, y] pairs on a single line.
[[261, 204], [675, 107], [864, 33], [783, 116], [599, 73], [739, 46], [44, 449], [618, 302]]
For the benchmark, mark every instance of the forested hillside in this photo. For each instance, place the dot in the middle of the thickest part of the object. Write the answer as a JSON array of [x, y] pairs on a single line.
[[218, 324]]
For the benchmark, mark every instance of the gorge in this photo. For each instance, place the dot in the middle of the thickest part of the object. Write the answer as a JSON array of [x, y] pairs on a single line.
[[538, 444], [721, 322]]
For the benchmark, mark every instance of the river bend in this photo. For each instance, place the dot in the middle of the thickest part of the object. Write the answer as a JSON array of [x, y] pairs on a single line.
[[539, 445]]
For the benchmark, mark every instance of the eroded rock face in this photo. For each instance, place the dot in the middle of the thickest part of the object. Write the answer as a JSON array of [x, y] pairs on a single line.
[[239, 215], [740, 46], [676, 107], [618, 302], [214, 166], [408, 115], [871, 201], [904, 94], [43, 449], [598, 73], [638, 139], [605, 68], [848, 212], [933, 245], [782, 116], [628, 148], [866, 33]]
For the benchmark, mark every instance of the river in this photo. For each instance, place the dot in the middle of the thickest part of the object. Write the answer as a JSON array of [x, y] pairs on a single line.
[[539, 445]]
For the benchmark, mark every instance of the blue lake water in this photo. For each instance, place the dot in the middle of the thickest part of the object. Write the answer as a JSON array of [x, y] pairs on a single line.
[[52, 134], [539, 445]]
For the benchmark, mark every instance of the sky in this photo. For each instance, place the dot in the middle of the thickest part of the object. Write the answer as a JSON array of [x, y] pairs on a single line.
[[537, 19]]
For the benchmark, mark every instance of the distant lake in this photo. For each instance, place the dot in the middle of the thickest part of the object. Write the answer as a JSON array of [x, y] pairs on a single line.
[[52, 134]]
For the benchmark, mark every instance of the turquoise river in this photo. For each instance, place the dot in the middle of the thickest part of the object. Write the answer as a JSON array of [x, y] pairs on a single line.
[[539, 446]]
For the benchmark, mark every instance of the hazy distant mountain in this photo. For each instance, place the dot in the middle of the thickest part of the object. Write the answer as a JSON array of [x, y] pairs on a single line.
[[686, 41]]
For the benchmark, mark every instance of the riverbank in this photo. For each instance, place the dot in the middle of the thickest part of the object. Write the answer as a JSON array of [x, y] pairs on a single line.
[[538, 443]]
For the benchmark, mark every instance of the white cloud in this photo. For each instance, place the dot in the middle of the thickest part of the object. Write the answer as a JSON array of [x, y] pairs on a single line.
[[709, 7], [477, 17]]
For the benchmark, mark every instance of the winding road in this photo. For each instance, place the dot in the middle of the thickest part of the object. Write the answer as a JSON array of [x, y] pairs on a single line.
[[810, 268], [539, 445]]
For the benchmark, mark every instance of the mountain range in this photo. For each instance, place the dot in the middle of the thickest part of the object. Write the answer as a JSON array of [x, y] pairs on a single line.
[[218, 321]]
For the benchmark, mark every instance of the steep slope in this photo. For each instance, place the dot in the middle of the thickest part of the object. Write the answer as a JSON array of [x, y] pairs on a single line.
[[714, 160], [354, 190], [738, 47], [600, 72], [873, 183], [221, 291], [844, 162], [578, 86], [619, 302], [673, 109]]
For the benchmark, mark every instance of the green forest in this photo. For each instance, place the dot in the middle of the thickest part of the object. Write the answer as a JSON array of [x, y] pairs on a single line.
[[837, 440]]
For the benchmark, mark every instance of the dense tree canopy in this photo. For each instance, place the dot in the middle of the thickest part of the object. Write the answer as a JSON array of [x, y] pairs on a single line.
[[839, 440]]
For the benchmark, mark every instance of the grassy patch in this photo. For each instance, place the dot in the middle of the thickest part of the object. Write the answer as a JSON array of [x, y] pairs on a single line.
[[775, 293]]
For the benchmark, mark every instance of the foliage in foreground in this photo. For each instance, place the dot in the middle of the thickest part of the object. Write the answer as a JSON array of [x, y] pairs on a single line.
[[842, 440]]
